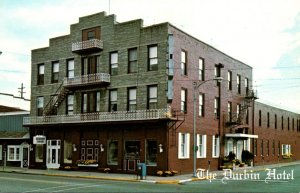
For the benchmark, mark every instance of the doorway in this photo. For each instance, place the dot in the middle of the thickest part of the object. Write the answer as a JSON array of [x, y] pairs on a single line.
[[53, 154]]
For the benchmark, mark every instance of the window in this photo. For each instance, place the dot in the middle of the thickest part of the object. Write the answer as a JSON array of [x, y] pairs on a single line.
[[151, 152], [114, 63], [131, 99], [13, 153], [278, 147], [183, 106], [238, 111], [229, 111], [40, 105], [112, 155], [152, 58], [286, 149], [229, 76], [255, 147], [90, 65], [183, 145], [41, 72], [229, 147], [70, 68], [201, 69], [273, 148], [39, 150], [152, 97], [268, 119], [216, 107], [89, 149], [132, 60], [68, 149], [281, 122], [247, 86], [113, 100], [55, 72], [183, 62], [215, 146], [293, 124], [201, 143], [262, 147], [288, 123], [90, 102], [132, 149], [268, 147], [247, 116], [70, 105], [275, 121], [201, 105], [0, 152], [238, 83], [91, 33], [259, 118]]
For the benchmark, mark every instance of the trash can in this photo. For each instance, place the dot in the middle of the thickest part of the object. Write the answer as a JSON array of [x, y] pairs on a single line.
[[141, 171]]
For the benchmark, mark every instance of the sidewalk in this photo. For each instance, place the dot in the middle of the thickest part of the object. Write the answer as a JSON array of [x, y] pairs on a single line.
[[178, 179]]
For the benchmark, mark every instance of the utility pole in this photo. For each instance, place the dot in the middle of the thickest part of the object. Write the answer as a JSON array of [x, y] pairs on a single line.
[[22, 91]]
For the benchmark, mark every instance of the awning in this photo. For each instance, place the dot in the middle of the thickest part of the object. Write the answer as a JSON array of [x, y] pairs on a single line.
[[14, 135], [241, 135]]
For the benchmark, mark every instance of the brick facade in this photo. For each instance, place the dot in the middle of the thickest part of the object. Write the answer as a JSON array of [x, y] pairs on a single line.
[[164, 139]]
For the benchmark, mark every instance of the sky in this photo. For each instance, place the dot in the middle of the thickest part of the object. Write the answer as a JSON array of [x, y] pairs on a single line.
[[264, 34]]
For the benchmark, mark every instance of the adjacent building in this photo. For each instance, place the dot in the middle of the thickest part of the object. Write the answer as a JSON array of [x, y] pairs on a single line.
[[14, 138], [122, 93]]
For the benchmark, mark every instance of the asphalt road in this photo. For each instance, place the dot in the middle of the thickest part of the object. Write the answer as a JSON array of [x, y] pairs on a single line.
[[284, 179]]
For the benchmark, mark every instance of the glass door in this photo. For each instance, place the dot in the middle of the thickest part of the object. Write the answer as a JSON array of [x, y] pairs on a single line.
[[53, 154]]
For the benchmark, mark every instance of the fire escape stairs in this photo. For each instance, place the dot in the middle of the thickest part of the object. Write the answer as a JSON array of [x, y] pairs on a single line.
[[55, 101]]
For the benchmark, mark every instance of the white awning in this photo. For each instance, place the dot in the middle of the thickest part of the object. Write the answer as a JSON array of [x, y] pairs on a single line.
[[241, 135]]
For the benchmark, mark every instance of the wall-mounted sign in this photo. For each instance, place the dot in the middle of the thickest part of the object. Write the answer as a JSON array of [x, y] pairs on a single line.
[[39, 139]]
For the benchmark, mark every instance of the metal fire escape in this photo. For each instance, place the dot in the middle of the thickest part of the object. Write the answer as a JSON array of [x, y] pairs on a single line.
[[55, 100]]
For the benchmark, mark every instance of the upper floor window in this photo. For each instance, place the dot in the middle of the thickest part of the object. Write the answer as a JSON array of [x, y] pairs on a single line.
[[216, 107], [132, 60], [229, 76], [55, 72], [91, 33], [131, 99], [152, 97], [114, 63], [247, 85], [70, 68], [90, 65], [238, 83], [183, 62], [282, 123], [152, 58], [183, 106], [288, 123], [70, 104], [90, 102], [268, 119], [201, 105], [201, 69], [259, 118], [113, 100], [40, 105], [238, 111], [183, 145], [229, 110], [275, 121], [41, 72]]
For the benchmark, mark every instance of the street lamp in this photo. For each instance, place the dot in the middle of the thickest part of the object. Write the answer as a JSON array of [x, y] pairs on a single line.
[[196, 85]]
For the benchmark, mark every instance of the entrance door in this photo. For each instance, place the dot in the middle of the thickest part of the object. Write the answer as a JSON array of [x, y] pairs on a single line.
[[25, 157], [239, 149], [53, 154]]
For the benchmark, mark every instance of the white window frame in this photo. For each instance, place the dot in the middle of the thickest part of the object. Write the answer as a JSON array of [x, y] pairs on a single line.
[[70, 104], [286, 149], [201, 144], [201, 69], [114, 62], [153, 59], [215, 146], [16, 157], [201, 105], [71, 68], [183, 62], [132, 99], [183, 106], [183, 145]]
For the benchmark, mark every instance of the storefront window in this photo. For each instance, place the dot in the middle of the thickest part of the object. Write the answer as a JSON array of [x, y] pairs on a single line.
[[132, 150], [112, 156], [67, 152], [39, 153], [151, 153]]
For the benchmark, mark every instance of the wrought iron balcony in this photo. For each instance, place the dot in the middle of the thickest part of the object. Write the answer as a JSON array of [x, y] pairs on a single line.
[[98, 117], [89, 79], [93, 45]]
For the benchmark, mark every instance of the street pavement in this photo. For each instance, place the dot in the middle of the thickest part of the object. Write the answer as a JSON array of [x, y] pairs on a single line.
[[177, 179]]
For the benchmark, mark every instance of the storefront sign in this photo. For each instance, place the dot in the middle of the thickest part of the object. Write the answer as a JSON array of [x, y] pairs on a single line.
[[39, 139]]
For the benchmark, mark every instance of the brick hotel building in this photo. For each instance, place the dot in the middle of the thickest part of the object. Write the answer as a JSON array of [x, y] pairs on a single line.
[[122, 93]]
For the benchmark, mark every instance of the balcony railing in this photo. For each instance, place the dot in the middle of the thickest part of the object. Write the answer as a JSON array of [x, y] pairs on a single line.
[[93, 44], [139, 115], [87, 80]]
